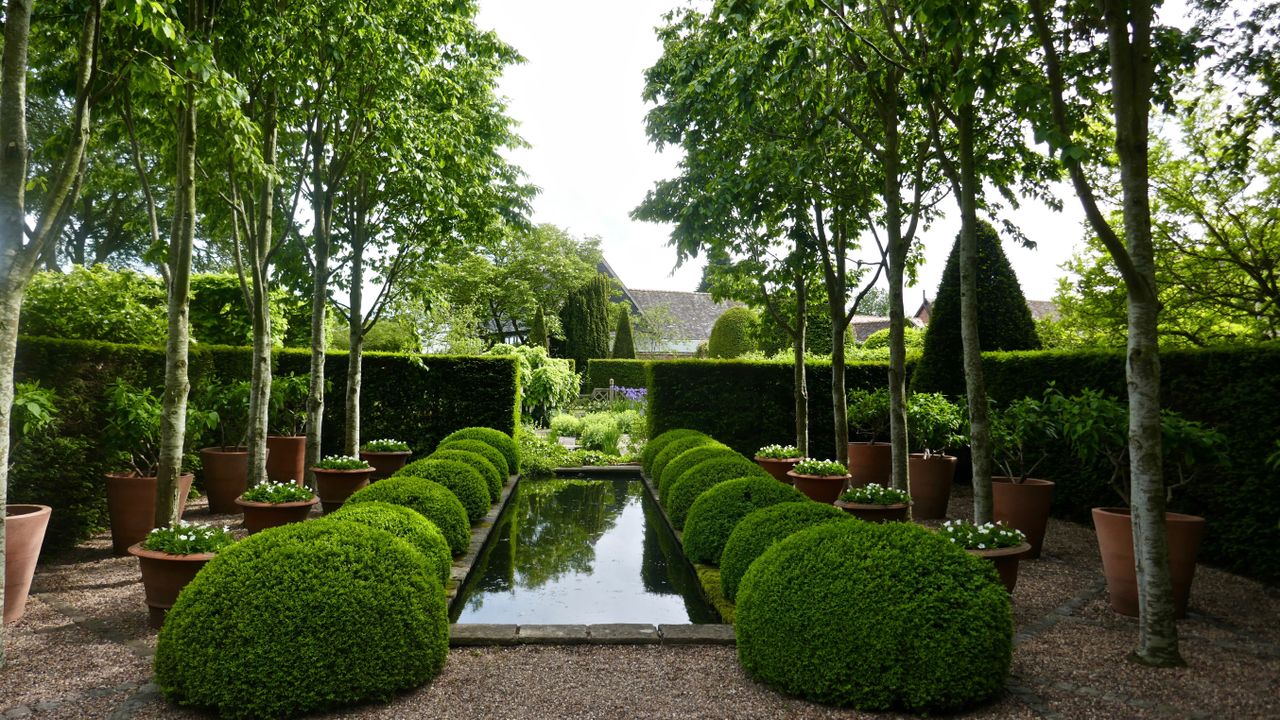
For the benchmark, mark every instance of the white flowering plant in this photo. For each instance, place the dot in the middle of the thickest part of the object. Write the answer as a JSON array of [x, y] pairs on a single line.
[[987, 536], [875, 494], [342, 462], [186, 538], [385, 445], [277, 492], [820, 468], [778, 452]]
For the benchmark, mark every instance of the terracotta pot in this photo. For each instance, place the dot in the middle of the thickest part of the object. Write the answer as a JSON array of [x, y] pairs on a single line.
[[870, 463], [385, 464], [24, 527], [164, 576], [897, 512], [260, 515], [334, 486], [777, 467], [1115, 540], [1005, 560], [287, 458], [929, 481], [226, 475], [823, 489], [1023, 506], [131, 503]]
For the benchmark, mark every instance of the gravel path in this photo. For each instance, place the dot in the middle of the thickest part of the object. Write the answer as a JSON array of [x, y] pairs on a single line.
[[83, 651]]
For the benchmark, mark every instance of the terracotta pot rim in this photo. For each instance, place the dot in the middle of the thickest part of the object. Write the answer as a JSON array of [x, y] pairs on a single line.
[[936, 456], [137, 550], [291, 504], [25, 510], [130, 475], [352, 471], [1124, 512], [1000, 552], [874, 443], [386, 452], [757, 458], [870, 506], [223, 450], [288, 437], [843, 478], [1006, 480]]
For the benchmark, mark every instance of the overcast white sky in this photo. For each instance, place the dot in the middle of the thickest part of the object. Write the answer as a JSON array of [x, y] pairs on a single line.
[[578, 101]]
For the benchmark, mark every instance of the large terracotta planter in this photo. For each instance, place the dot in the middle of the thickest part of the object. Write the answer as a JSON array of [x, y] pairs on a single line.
[[820, 488], [131, 503], [1005, 560], [287, 458], [226, 475], [1115, 540], [164, 576], [259, 516], [24, 527], [385, 464], [334, 486], [870, 463], [929, 481], [1023, 506], [897, 512], [778, 467]]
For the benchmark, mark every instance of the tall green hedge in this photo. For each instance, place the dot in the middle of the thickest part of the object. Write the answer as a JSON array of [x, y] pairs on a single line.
[[418, 400], [623, 373], [748, 404], [585, 320]]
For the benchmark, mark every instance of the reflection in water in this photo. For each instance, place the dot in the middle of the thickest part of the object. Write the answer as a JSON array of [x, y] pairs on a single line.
[[582, 551]]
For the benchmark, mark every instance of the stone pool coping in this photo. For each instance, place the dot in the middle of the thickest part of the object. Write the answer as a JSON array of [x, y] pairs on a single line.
[[489, 634]]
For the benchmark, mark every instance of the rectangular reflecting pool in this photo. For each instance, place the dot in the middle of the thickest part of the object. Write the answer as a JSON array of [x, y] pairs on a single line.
[[580, 550]]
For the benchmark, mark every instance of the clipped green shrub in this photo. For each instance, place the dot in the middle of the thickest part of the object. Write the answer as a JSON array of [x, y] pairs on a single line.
[[624, 345], [492, 478], [875, 617], [686, 460], [485, 450], [496, 439], [703, 477], [657, 443], [716, 512], [303, 618], [734, 333], [674, 449], [623, 373], [432, 500], [405, 523], [760, 529], [461, 479], [566, 425]]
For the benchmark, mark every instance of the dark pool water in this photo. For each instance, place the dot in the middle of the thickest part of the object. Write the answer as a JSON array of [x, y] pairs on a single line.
[[568, 551]]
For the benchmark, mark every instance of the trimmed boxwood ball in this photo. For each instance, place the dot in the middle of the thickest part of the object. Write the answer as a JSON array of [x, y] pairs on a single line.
[[674, 449], [656, 444], [703, 477], [876, 617], [760, 529], [492, 478], [459, 477], [431, 500], [405, 523], [303, 618], [686, 460], [495, 439], [486, 450], [718, 511]]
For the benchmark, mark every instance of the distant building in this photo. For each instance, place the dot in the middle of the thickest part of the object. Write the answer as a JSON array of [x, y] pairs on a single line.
[[1039, 309], [685, 318]]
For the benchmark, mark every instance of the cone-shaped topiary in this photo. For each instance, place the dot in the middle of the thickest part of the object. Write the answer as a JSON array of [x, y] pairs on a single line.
[[538, 332], [461, 479], [734, 333], [703, 477], [657, 443], [1004, 321], [687, 459], [303, 618], [624, 343], [495, 439], [922, 625], [673, 450], [492, 478], [484, 449], [759, 530], [718, 511], [432, 500], [405, 523]]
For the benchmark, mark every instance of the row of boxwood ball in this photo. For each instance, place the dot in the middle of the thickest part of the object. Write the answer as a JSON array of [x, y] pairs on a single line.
[[828, 607], [345, 609]]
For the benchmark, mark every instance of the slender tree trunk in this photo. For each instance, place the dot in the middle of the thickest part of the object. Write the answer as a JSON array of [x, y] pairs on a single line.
[[173, 420], [321, 207], [897, 255], [801, 374], [10, 307], [355, 353], [260, 305], [975, 384]]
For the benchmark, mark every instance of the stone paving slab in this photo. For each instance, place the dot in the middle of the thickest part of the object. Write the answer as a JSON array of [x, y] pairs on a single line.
[[624, 634], [553, 635], [697, 635], [469, 634]]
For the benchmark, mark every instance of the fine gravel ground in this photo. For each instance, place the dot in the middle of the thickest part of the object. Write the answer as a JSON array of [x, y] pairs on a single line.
[[84, 649]]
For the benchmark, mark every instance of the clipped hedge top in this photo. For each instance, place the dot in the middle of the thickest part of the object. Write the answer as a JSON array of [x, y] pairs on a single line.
[[876, 617], [716, 512], [657, 443], [673, 450], [492, 478], [303, 618], [760, 529], [489, 452], [460, 478], [430, 499], [496, 439], [703, 477], [686, 460], [405, 523]]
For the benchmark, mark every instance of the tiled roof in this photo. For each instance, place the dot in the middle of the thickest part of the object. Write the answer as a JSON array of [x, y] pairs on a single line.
[[694, 313]]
